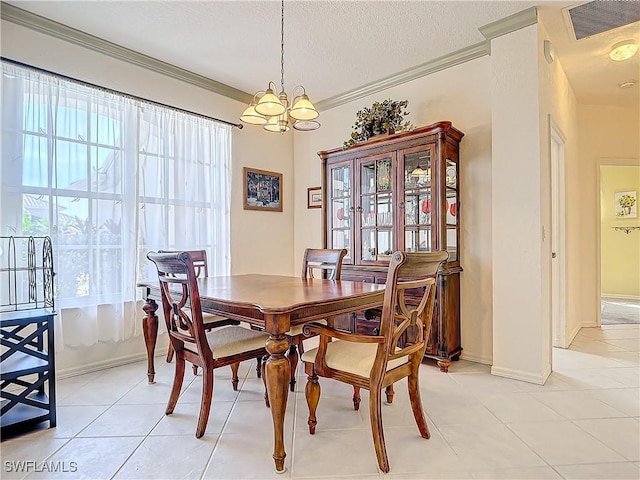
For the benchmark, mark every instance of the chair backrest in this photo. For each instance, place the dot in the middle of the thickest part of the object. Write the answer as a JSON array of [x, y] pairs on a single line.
[[408, 307], [199, 258], [181, 299], [327, 261]]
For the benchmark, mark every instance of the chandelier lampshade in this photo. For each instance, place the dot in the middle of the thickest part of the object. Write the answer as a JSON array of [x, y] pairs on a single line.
[[279, 123], [251, 117], [303, 109], [270, 105], [273, 111]]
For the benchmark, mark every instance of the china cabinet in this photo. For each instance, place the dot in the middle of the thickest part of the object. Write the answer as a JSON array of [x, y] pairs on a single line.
[[399, 192]]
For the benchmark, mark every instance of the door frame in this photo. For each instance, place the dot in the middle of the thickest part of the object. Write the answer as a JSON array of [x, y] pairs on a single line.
[[602, 162], [558, 236]]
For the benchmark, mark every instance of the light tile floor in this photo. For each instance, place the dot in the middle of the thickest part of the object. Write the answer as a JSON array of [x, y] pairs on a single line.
[[583, 424]]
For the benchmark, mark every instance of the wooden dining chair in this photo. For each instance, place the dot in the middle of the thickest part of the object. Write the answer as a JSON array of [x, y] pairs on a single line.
[[376, 362], [192, 342], [210, 320], [316, 263]]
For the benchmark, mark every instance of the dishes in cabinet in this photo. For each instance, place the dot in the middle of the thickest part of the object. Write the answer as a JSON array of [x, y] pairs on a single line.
[[452, 176]]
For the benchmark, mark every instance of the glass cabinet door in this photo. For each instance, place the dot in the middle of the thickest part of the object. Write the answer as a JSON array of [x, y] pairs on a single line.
[[376, 208], [418, 202], [451, 197], [341, 209]]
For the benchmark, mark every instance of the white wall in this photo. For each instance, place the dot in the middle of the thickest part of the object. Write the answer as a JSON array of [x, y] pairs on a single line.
[[558, 102], [517, 176], [460, 94], [260, 241]]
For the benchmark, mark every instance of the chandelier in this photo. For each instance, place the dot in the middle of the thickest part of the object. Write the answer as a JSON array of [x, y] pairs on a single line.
[[273, 111]]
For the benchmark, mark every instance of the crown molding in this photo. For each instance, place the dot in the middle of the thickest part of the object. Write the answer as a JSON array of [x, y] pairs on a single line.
[[510, 24], [44, 25], [446, 61]]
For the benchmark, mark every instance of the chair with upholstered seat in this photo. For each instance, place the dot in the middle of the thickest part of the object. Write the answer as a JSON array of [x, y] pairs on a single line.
[[210, 320], [191, 341], [376, 362], [325, 263]]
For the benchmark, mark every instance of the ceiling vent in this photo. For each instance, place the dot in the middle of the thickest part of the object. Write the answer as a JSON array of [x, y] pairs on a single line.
[[599, 16]]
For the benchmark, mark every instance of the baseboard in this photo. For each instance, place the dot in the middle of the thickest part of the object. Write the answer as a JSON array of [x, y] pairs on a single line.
[[522, 376], [572, 335], [470, 357], [108, 363], [614, 296]]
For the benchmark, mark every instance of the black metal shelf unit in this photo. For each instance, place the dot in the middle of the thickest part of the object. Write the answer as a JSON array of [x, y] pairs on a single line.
[[27, 363]]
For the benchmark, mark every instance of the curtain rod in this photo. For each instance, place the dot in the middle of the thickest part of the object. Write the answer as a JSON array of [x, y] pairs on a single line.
[[117, 92]]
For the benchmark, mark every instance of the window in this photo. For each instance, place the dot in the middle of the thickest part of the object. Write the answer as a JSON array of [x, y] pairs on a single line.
[[108, 178]]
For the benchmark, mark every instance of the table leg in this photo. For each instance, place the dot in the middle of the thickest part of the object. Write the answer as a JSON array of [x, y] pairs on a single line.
[[277, 373], [150, 330]]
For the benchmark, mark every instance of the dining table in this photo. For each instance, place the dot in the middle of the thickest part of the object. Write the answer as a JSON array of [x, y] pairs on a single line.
[[272, 303]]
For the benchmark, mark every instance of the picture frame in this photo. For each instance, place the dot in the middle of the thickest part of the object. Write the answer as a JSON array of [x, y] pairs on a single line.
[[626, 204], [262, 190], [314, 197]]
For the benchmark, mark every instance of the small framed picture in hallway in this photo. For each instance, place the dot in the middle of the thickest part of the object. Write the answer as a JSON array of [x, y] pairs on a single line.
[[626, 204]]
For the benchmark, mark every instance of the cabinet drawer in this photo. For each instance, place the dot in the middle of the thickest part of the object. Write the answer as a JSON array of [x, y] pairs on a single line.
[[358, 277]]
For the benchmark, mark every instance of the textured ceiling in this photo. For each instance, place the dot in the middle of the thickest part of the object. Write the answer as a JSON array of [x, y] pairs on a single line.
[[331, 47]]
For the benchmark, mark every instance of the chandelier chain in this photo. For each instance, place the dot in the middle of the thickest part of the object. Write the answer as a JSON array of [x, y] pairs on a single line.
[[282, 46]]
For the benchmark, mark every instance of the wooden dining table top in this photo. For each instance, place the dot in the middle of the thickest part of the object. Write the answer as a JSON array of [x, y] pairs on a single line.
[[253, 297]]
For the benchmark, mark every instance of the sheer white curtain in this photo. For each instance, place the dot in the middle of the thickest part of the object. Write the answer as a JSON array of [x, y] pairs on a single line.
[[108, 178]]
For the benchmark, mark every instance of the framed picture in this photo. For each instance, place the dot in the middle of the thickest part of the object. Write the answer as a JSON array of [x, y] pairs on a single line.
[[262, 190], [314, 197], [626, 204]]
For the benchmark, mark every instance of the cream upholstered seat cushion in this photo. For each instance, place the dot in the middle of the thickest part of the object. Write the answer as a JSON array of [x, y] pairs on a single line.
[[351, 357], [297, 329], [227, 341]]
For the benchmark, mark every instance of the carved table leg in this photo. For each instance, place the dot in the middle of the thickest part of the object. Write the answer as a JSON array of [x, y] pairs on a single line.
[[150, 330], [277, 373]]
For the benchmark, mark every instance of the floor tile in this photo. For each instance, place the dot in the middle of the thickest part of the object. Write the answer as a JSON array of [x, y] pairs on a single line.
[[577, 404], [242, 456], [583, 423], [73, 419], [31, 447], [518, 407], [95, 394], [604, 471], [408, 452], [626, 400], [526, 473], [564, 443], [492, 446], [620, 434], [184, 419], [175, 456], [255, 417], [125, 420], [317, 455], [97, 458], [458, 410]]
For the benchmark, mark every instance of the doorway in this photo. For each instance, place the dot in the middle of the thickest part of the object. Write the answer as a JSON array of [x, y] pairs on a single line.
[[558, 245], [619, 248]]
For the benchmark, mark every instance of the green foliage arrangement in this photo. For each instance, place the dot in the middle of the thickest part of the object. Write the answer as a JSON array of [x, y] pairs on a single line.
[[385, 117]]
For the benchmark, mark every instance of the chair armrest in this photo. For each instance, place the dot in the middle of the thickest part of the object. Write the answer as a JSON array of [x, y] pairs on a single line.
[[319, 329]]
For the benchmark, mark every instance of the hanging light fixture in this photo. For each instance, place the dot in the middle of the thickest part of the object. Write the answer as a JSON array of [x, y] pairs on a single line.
[[272, 110]]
